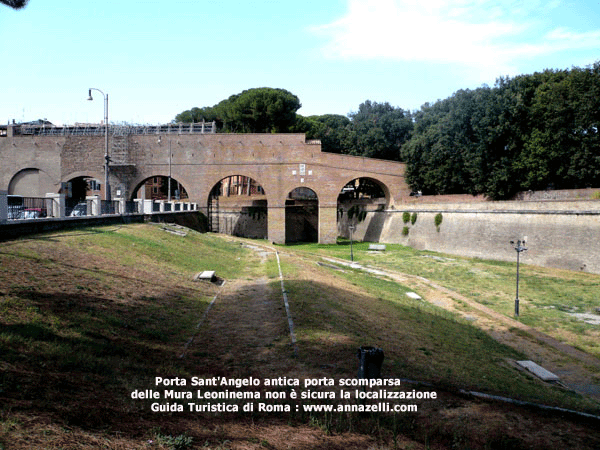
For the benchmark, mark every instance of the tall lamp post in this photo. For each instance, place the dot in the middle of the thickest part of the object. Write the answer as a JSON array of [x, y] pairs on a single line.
[[170, 156], [351, 228], [107, 196], [520, 247]]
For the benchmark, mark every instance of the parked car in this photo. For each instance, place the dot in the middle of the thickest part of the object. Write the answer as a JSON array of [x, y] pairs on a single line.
[[32, 213], [80, 209]]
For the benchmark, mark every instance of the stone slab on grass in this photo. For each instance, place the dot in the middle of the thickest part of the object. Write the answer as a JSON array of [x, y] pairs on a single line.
[[538, 371]]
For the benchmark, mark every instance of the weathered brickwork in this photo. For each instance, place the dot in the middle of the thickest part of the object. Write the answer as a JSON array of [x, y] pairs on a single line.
[[278, 162], [559, 233]]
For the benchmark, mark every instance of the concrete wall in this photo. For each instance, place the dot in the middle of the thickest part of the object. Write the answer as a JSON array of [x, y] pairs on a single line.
[[15, 229], [558, 234]]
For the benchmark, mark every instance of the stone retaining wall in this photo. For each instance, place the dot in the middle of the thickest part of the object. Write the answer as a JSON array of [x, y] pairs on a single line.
[[559, 234]]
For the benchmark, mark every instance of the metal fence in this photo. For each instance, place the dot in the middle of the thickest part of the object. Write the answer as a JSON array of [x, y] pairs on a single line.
[[109, 207], [118, 130], [20, 207], [131, 208]]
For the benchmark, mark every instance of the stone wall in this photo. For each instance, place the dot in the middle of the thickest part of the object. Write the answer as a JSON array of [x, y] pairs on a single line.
[[245, 223], [278, 162], [558, 234]]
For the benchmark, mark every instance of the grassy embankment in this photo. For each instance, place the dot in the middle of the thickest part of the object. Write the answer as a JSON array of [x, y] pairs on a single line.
[[89, 316], [547, 296]]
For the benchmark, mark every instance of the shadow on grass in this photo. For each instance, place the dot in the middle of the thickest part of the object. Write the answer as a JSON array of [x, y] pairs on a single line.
[[81, 356]]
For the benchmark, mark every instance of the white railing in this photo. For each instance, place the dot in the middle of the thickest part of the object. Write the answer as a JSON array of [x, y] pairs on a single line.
[[54, 207], [118, 130]]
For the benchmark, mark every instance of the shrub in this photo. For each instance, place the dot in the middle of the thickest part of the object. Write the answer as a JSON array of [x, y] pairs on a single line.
[[438, 220], [413, 218], [406, 217], [405, 231]]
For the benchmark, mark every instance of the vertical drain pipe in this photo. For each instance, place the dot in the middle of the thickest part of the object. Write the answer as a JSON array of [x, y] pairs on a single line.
[[287, 307]]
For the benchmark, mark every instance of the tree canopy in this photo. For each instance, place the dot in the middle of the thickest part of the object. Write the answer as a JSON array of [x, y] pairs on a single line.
[[378, 130], [15, 4], [533, 132], [259, 110]]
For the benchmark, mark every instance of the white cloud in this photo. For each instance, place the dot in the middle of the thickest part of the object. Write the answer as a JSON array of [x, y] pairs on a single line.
[[567, 39], [483, 34]]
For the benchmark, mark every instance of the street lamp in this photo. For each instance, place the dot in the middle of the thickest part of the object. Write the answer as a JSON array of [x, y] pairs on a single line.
[[170, 156], [351, 228], [520, 247], [106, 156]]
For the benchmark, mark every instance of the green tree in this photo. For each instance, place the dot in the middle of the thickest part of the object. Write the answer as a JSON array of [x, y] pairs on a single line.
[[15, 4], [331, 129], [378, 130], [260, 110], [442, 148], [195, 115], [530, 132], [562, 149]]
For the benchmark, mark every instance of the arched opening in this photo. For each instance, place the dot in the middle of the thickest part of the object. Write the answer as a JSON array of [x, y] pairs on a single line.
[[160, 187], [77, 189], [356, 199], [237, 205], [31, 183], [302, 216]]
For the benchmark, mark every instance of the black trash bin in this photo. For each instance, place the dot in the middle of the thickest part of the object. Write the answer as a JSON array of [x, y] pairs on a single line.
[[371, 359]]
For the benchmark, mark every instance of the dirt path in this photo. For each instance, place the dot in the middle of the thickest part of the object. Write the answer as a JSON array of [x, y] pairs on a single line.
[[240, 333], [246, 303], [577, 370]]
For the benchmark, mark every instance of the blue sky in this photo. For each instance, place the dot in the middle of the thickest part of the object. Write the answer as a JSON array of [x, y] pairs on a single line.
[[158, 58]]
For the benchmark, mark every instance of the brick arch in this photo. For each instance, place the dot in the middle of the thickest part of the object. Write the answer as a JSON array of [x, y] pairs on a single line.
[[313, 188], [213, 180], [97, 175], [85, 174], [381, 184], [139, 181], [302, 220], [43, 182], [233, 210]]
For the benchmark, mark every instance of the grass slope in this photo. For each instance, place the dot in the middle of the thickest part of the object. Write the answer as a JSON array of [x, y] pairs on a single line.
[[547, 296], [88, 316]]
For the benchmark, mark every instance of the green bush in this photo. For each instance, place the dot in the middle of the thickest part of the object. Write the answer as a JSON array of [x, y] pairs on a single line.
[[438, 220], [405, 231], [413, 218], [406, 217]]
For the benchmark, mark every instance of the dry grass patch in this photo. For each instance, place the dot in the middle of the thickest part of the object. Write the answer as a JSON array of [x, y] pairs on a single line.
[[87, 317]]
